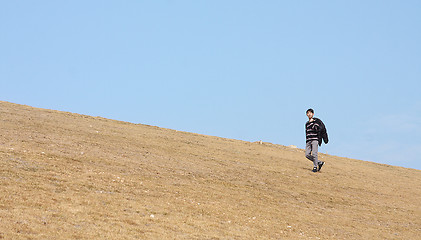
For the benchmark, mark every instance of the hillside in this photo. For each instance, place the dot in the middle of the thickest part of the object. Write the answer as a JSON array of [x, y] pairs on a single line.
[[70, 176]]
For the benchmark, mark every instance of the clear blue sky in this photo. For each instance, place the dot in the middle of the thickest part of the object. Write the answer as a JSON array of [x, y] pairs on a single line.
[[237, 69]]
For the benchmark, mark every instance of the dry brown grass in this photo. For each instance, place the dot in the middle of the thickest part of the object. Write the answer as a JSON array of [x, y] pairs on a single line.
[[69, 176]]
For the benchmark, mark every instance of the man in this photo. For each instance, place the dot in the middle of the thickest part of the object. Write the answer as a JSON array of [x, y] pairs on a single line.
[[314, 129]]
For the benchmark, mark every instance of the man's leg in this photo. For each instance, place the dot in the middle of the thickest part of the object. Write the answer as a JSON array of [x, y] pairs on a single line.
[[314, 153], [308, 151]]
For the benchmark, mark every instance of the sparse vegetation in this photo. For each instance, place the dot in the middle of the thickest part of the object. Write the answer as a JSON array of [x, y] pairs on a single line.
[[69, 176]]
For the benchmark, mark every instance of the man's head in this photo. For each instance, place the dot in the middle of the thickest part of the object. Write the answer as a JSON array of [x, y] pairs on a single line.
[[310, 113]]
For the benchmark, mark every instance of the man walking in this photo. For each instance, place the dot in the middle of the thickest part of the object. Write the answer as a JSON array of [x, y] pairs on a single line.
[[314, 131]]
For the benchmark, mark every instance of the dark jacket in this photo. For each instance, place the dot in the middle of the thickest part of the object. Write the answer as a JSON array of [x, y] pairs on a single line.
[[322, 134]]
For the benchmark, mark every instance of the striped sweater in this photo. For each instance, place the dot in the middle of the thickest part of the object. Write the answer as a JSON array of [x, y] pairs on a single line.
[[312, 131]]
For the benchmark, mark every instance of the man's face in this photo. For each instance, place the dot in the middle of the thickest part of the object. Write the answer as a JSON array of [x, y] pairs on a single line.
[[310, 115]]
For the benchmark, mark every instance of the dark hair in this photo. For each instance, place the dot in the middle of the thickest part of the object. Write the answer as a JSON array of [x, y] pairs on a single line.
[[310, 110]]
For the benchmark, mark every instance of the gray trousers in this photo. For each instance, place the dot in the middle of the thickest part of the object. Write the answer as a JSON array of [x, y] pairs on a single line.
[[312, 148]]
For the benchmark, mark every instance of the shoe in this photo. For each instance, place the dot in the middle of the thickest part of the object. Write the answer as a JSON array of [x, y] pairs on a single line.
[[321, 165], [314, 169]]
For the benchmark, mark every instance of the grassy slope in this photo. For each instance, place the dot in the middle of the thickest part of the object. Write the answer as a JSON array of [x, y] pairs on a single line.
[[69, 176]]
